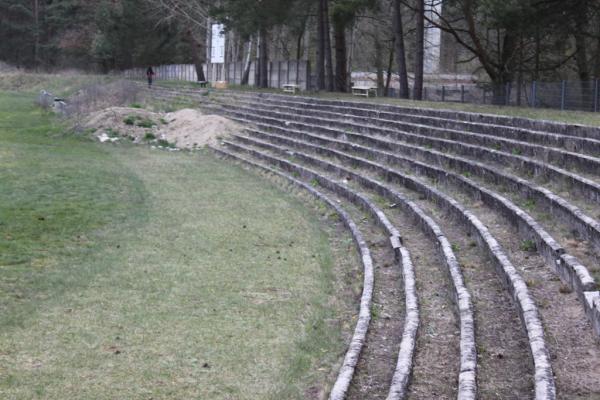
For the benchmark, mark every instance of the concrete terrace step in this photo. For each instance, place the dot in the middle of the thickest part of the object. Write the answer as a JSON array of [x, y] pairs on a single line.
[[402, 372], [467, 377], [584, 186], [561, 150], [567, 267], [544, 381], [285, 124], [586, 226], [567, 129], [563, 158], [499, 120], [379, 117]]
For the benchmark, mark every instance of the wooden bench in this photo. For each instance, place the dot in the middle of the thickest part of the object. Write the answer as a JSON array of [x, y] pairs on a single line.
[[291, 88], [364, 91]]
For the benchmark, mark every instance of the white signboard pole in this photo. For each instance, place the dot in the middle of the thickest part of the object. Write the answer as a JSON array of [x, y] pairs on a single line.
[[217, 54]]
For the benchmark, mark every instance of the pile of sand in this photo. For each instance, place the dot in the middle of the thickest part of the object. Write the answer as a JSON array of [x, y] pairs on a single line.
[[185, 128], [189, 128]]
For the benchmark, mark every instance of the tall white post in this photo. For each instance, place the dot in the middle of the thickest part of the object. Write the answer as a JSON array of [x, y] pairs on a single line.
[[433, 37]]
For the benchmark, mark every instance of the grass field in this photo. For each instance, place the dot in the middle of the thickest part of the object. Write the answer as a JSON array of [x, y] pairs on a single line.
[[60, 84], [132, 273]]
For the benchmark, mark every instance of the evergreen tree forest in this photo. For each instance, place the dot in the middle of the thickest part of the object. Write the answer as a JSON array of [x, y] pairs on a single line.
[[497, 40]]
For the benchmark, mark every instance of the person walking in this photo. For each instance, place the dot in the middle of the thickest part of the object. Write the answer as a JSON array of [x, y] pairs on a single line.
[[150, 75]]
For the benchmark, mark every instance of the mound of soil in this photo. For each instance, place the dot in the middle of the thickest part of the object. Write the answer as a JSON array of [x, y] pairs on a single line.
[[185, 128], [189, 128]]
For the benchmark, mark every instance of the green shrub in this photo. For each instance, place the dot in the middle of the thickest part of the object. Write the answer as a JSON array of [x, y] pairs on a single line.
[[530, 204], [149, 136], [374, 312], [130, 120], [112, 133], [528, 245], [146, 123], [165, 143]]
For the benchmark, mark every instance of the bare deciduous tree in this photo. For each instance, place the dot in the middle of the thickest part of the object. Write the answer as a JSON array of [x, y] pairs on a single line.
[[193, 14]]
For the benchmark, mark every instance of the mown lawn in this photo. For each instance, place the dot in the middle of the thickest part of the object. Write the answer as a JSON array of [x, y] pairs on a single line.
[[132, 273]]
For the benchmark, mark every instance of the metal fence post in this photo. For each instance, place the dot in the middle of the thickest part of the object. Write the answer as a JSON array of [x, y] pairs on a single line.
[[443, 93], [563, 89], [462, 93], [507, 94], [533, 94], [484, 95]]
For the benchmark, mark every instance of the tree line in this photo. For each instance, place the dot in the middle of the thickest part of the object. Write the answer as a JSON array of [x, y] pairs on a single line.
[[498, 40]]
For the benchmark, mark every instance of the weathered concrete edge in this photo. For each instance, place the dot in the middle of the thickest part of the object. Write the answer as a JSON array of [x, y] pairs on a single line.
[[587, 187], [566, 266], [462, 299], [404, 365], [549, 126], [518, 133], [544, 379], [586, 226], [578, 130], [559, 156]]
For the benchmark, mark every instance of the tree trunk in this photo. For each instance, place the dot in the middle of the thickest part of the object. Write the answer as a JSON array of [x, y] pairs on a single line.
[[263, 60], [300, 38], [520, 72], [419, 50], [36, 34], [320, 66], [328, 57], [378, 62], [581, 52], [581, 24], [597, 59], [388, 79], [400, 51], [351, 55], [197, 52], [246, 75], [341, 77], [299, 46], [505, 76], [536, 67]]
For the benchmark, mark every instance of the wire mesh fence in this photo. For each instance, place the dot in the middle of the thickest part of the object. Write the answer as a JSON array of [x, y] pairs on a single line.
[[563, 95]]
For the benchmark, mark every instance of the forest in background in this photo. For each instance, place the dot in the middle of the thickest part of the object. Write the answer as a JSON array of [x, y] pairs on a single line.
[[496, 40]]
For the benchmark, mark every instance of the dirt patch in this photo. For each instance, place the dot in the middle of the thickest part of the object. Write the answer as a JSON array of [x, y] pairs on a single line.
[[185, 128]]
